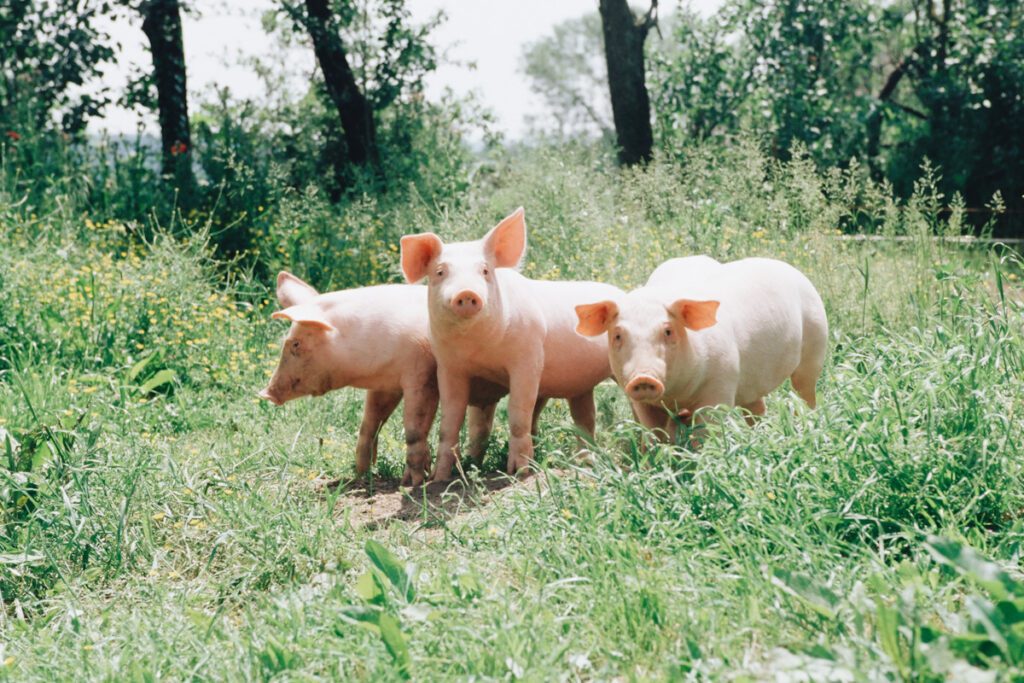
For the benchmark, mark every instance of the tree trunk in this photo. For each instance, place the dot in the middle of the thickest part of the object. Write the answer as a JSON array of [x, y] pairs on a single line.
[[624, 36], [353, 108], [162, 26]]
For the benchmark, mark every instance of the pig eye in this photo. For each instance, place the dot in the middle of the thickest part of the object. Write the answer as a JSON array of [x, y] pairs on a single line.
[[487, 271], [668, 331], [439, 272]]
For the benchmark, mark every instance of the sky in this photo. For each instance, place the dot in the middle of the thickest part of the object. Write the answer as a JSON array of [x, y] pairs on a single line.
[[483, 40]]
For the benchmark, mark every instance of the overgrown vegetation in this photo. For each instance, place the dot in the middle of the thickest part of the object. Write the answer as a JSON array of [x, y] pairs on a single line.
[[159, 521]]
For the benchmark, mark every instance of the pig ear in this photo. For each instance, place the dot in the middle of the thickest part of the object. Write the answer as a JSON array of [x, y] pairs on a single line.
[[596, 318], [418, 252], [304, 315], [291, 290], [505, 244], [694, 315]]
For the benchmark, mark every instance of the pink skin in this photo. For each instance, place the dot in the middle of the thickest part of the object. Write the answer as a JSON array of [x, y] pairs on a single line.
[[377, 339], [703, 334], [489, 322]]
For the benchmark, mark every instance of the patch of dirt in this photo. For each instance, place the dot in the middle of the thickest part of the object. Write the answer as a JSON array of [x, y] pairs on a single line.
[[379, 502]]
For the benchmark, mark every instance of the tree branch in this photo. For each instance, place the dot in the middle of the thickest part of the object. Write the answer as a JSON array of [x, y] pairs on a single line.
[[916, 113], [893, 80], [650, 19]]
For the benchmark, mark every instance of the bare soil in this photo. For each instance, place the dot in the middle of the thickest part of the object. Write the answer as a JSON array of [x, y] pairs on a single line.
[[378, 502]]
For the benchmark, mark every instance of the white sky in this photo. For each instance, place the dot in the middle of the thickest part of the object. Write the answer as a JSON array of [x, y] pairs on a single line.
[[219, 34]]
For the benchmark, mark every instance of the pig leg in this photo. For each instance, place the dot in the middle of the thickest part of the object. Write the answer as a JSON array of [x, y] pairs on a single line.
[[418, 414], [537, 408], [756, 408], [723, 394], [522, 399], [654, 417], [804, 381], [454, 401], [376, 410], [583, 413], [812, 359], [480, 421]]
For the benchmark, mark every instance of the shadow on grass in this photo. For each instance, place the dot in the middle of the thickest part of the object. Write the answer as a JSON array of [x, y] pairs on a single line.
[[376, 503]]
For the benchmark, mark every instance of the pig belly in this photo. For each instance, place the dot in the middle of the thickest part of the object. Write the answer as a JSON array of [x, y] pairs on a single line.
[[769, 358], [573, 371], [483, 392]]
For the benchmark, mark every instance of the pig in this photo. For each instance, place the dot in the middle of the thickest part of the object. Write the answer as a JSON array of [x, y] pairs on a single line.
[[377, 339], [487, 321], [700, 333]]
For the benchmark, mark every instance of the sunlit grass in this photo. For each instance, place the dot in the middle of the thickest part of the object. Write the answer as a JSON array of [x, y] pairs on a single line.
[[160, 522]]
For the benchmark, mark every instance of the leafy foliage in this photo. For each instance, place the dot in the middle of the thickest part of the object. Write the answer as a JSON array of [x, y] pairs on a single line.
[[49, 49], [890, 84]]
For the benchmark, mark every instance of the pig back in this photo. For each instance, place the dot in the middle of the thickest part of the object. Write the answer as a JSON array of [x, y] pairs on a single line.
[[384, 329], [676, 271], [573, 364], [763, 303]]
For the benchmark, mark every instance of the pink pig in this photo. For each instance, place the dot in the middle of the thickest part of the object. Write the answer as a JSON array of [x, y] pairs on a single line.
[[700, 333], [373, 338], [489, 322]]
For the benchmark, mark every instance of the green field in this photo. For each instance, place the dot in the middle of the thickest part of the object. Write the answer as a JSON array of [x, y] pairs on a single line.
[[159, 522]]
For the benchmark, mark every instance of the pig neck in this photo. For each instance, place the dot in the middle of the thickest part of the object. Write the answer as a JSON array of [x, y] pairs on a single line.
[[368, 371], [482, 330], [687, 369]]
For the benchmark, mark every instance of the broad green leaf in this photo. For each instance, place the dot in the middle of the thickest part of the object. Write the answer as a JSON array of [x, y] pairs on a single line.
[[393, 568], [984, 613], [387, 627], [394, 641], [887, 625], [369, 589], [967, 561], [814, 595], [137, 369], [42, 456], [157, 380], [367, 617], [1011, 611]]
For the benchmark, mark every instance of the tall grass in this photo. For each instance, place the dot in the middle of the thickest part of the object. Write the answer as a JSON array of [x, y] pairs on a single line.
[[160, 522]]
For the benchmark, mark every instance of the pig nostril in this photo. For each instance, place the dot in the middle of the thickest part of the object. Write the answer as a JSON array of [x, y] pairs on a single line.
[[643, 387], [466, 303]]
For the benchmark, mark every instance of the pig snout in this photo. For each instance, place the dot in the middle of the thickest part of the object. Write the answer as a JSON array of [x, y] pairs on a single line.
[[645, 388], [269, 395], [466, 303]]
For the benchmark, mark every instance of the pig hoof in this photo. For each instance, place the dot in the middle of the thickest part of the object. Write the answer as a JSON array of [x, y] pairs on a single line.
[[438, 475], [412, 477], [520, 470]]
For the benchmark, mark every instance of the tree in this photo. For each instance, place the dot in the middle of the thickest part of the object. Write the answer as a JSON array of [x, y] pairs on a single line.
[[624, 36], [700, 83], [961, 104], [797, 74], [370, 55], [892, 84], [567, 69], [162, 26], [354, 110], [47, 50]]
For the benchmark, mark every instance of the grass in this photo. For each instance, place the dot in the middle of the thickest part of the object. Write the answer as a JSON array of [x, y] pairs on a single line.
[[160, 522]]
